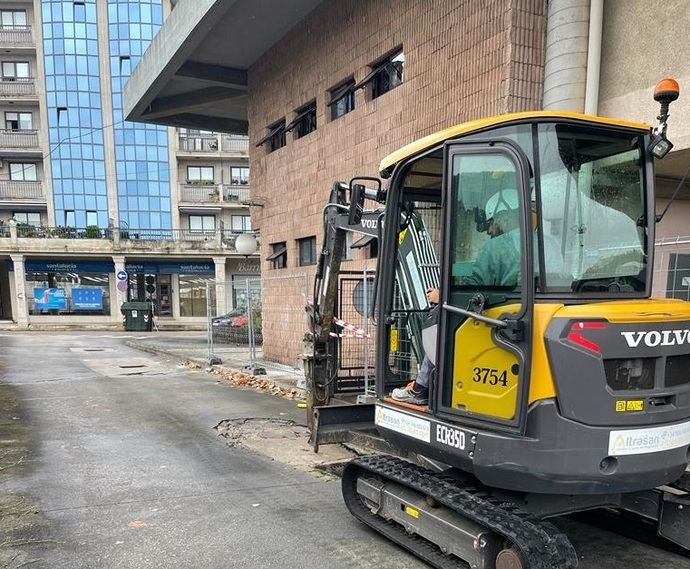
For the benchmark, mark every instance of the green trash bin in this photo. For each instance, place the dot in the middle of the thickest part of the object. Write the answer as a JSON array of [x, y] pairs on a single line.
[[138, 316]]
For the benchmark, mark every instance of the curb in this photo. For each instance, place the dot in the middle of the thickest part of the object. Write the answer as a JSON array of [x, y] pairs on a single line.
[[160, 350]]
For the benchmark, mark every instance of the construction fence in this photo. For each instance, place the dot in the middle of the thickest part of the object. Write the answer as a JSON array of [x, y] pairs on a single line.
[[260, 325]]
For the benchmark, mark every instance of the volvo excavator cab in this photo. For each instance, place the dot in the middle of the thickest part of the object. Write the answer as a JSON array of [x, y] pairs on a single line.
[[559, 384]]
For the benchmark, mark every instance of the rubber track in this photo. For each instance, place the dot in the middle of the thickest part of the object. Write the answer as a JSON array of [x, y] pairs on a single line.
[[540, 544]]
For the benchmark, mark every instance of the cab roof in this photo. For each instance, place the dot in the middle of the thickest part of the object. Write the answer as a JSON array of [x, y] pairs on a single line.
[[465, 128]]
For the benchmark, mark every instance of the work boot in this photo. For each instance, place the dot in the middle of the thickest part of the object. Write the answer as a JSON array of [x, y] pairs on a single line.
[[412, 393]]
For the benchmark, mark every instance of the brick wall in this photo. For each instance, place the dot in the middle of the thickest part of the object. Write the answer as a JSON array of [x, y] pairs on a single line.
[[464, 60]]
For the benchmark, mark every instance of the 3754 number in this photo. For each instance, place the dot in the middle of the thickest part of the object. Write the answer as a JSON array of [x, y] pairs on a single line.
[[490, 376]]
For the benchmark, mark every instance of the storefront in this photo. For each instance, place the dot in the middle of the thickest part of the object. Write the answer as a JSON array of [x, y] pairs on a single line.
[[61, 288], [176, 288]]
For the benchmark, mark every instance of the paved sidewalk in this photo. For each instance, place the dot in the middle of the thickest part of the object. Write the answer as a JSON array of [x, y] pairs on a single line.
[[193, 346]]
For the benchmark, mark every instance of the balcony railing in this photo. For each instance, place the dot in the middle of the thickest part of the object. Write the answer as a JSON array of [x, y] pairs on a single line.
[[235, 144], [16, 36], [41, 232], [197, 193], [18, 139], [19, 189], [198, 144], [236, 193], [217, 193], [17, 87]]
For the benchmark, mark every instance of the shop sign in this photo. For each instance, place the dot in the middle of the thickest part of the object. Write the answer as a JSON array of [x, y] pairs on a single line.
[[245, 267], [49, 298], [90, 298], [165, 267], [59, 266]]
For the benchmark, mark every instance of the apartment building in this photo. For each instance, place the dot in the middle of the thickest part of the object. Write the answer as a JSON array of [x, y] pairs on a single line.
[[94, 207]]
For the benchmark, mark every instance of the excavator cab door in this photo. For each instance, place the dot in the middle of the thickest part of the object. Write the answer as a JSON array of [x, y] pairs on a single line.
[[487, 286]]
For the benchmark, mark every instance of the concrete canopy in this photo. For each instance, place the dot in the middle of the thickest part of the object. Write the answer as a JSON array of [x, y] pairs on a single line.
[[194, 73]]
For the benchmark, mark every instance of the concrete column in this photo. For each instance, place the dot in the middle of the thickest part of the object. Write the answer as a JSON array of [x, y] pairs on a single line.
[[221, 306], [13, 231], [119, 296], [20, 307], [107, 112], [175, 291]]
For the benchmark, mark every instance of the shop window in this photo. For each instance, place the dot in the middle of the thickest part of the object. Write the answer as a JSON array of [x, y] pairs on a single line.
[[27, 218], [13, 19], [275, 138], [241, 223], [193, 295], [278, 256], [342, 99], [15, 70], [18, 121], [385, 75], [200, 175], [307, 251], [304, 121], [202, 223], [65, 293], [23, 171], [239, 175]]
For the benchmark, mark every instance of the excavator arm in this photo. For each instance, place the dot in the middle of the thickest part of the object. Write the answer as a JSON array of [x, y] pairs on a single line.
[[343, 213]]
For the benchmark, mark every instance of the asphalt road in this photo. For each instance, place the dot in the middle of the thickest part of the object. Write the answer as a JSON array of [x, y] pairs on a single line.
[[125, 470]]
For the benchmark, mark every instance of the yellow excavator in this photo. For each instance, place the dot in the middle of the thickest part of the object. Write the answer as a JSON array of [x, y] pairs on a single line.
[[558, 384]]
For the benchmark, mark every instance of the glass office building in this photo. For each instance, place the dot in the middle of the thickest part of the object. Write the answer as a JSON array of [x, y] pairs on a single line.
[[76, 122], [75, 116], [141, 150]]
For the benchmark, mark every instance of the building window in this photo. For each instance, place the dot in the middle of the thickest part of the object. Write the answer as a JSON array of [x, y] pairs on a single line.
[[241, 223], [18, 121], [62, 116], [70, 218], [23, 172], [275, 138], [342, 99], [200, 175], [307, 251], [304, 121], [15, 70], [79, 11], [385, 74], [91, 218], [202, 223], [13, 19], [278, 256], [27, 217], [125, 66], [239, 176]]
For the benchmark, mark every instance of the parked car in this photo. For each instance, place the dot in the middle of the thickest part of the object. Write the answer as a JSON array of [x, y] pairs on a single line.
[[232, 328]]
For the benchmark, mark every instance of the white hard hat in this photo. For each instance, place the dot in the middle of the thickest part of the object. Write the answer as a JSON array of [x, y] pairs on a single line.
[[502, 200]]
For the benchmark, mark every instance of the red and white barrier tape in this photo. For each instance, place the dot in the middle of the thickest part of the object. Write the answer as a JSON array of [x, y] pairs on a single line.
[[347, 327]]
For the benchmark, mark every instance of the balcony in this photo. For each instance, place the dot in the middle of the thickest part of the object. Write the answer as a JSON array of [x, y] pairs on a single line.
[[197, 193], [19, 139], [236, 193], [16, 36], [216, 194], [198, 144], [17, 87], [235, 144], [213, 144], [20, 190]]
